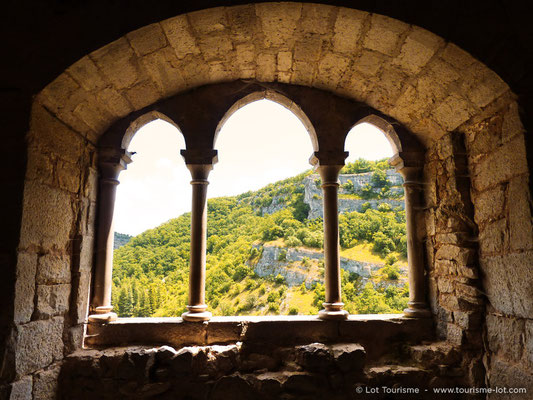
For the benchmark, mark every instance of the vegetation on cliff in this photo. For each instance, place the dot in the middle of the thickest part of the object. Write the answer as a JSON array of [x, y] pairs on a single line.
[[150, 276]]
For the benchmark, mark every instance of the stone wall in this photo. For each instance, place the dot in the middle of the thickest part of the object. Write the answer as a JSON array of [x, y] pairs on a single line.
[[500, 177], [54, 259], [390, 65], [455, 290]]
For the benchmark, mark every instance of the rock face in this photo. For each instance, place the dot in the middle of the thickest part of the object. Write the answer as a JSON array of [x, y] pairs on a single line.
[[293, 267], [313, 193]]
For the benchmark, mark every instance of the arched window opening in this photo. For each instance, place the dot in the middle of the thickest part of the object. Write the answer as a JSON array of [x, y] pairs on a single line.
[[150, 266], [263, 254], [372, 226]]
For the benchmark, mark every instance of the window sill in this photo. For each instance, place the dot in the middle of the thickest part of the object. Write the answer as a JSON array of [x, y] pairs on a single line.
[[371, 330]]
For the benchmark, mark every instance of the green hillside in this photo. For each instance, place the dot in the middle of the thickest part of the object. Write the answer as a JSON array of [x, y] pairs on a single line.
[[150, 276]]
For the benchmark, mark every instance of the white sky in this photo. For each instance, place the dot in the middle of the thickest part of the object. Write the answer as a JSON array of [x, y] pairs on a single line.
[[260, 143]]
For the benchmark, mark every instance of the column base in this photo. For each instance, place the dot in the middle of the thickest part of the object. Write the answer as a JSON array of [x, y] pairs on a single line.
[[196, 314], [191, 316], [102, 315], [417, 310], [333, 311]]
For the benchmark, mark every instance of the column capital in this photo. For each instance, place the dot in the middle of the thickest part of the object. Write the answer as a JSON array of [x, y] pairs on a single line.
[[200, 156], [409, 165], [328, 157], [112, 161]]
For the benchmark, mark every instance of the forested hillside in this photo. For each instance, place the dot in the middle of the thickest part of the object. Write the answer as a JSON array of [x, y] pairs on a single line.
[[150, 276]]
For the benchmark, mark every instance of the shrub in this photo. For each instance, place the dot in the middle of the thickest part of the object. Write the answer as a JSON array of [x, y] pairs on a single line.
[[293, 241], [293, 311], [282, 256]]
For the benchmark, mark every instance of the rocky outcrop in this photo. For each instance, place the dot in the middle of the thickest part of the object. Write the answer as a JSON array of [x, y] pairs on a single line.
[[289, 263], [313, 193]]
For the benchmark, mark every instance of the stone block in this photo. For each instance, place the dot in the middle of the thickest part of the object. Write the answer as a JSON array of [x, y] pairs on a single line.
[[86, 73], [118, 63], [512, 125], [456, 56], [528, 348], [434, 354], [68, 176], [180, 36], [483, 137], [21, 389], [331, 68], [39, 343], [347, 30], [445, 284], [507, 161], [25, 287], [315, 357], [455, 335], [278, 23], [225, 331], [489, 204], [45, 383], [308, 50], [40, 166], [520, 222], [284, 61], [349, 357], [452, 112], [116, 103], [216, 47], [50, 135], [47, 217], [509, 271], [52, 300], [164, 68], [142, 94], [493, 238], [461, 255], [384, 34], [243, 22], [303, 73], [369, 62], [93, 114], [509, 375], [245, 57], [484, 85], [505, 336], [147, 39], [53, 268], [418, 48], [195, 71], [316, 19], [266, 67]]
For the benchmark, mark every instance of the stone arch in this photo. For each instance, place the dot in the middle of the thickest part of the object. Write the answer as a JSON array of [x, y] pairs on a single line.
[[141, 121], [390, 65], [384, 127], [277, 98]]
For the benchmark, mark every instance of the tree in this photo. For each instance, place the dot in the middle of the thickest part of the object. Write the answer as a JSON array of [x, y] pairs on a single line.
[[379, 178]]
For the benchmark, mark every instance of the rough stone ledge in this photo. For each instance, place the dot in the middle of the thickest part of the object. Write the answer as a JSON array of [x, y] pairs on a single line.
[[376, 332]]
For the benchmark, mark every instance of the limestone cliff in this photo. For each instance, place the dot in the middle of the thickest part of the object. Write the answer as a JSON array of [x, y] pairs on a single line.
[[289, 263]]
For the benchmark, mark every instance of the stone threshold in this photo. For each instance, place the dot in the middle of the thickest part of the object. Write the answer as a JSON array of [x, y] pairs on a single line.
[[378, 333]]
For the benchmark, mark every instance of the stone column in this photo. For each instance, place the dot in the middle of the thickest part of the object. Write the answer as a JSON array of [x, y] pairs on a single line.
[[197, 309], [417, 306], [333, 306], [110, 162]]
